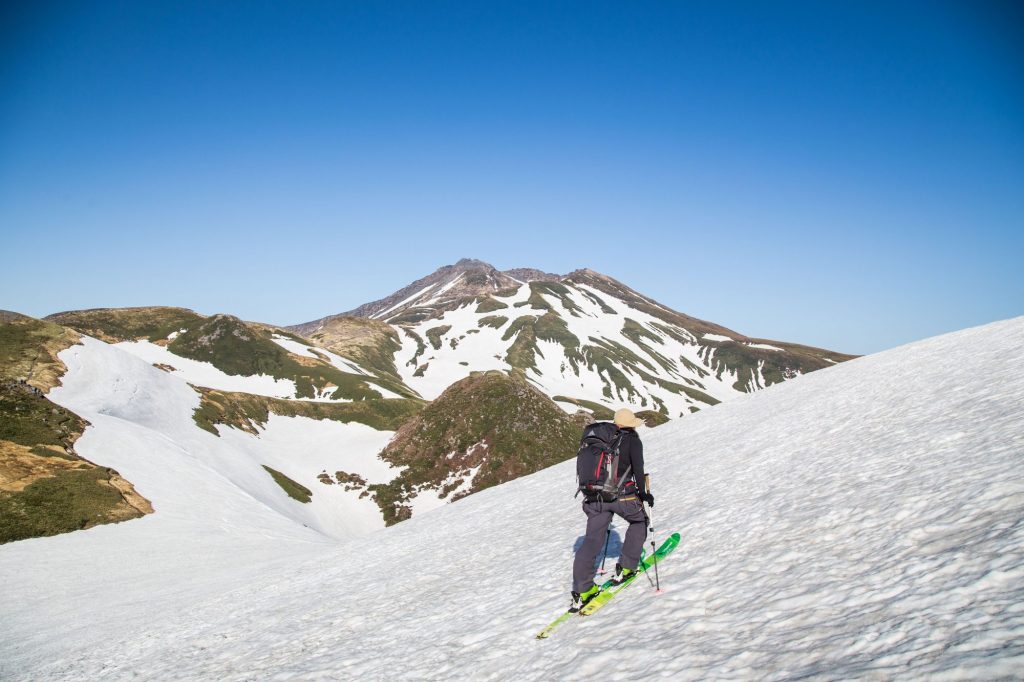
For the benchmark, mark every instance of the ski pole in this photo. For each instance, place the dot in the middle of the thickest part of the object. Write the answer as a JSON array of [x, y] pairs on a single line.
[[647, 574], [607, 537], [647, 528], [657, 580]]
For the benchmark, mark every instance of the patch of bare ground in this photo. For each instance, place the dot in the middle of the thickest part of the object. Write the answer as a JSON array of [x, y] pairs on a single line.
[[19, 466]]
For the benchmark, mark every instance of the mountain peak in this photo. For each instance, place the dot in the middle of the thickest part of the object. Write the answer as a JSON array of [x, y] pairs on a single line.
[[532, 275], [471, 264], [524, 275], [466, 278]]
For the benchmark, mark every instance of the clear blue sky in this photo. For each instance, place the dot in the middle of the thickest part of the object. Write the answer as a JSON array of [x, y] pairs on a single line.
[[842, 174]]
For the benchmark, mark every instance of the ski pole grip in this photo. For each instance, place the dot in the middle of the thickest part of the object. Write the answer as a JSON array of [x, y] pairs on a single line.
[[647, 483]]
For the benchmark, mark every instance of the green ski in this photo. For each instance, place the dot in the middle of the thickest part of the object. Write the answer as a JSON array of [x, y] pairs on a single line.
[[606, 593], [543, 634], [546, 632], [609, 589]]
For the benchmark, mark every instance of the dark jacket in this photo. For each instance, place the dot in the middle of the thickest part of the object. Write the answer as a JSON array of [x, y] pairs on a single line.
[[631, 454]]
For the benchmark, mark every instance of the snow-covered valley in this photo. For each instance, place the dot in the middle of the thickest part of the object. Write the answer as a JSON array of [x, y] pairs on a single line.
[[861, 521]]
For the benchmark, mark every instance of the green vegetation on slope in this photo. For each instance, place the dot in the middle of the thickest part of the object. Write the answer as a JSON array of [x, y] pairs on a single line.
[[73, 498], [29, 348], [296, 491], [634, 300], [370, 343], [128, 324], [600, 412], [639, 335], [237, 348], [250, 412], [605, 308], [496, 321], [652, 418], [434, 335], [489, 420], [522, 353], [28, 418], [490, 305], [557, 290], [413, 316], [777, 365], [536, 300]]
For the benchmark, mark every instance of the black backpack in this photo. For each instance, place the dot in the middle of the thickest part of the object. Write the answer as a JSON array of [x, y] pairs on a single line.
[[597, 463]]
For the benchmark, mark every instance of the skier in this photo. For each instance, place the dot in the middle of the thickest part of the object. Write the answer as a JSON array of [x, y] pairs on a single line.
[[599, 516]]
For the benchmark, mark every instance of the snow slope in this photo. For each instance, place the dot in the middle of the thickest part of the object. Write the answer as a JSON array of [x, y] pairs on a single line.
[[220, 519], [154, 409], [865, 521]]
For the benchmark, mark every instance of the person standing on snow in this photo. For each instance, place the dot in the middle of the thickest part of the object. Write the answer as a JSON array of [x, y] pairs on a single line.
[[599, 515]]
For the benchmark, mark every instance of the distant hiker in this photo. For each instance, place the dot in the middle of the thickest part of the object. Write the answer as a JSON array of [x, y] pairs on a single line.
[[610, 468]]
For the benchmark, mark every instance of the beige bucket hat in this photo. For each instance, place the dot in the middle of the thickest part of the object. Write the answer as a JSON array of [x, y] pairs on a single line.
[[626, 418]]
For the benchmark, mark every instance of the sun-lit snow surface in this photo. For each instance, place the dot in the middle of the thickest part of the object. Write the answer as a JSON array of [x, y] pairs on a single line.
[[468, 346], [104, 381], [865, 521]]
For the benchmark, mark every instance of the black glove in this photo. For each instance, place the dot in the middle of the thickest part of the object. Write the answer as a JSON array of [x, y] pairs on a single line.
[[648, 498]]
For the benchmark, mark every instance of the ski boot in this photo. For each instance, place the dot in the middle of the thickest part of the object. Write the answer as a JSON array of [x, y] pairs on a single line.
[[622, 574], [581, 600]]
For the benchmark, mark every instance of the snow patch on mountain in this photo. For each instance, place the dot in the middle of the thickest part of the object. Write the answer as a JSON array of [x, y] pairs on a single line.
[[404, 302], [429, 499], [293, 346], [438, 294], [475, 349], [344, 364], [200, 373], [764, 346], [559, 377]]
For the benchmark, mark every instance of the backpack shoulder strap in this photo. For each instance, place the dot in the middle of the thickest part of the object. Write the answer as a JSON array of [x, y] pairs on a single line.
[[625, 478], [620, 481]]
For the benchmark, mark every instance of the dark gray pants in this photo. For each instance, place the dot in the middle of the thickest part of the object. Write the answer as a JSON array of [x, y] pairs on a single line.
[[599, 515]]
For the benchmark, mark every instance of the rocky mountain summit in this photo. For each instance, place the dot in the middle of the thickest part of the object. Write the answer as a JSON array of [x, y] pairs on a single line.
[[449, 284]]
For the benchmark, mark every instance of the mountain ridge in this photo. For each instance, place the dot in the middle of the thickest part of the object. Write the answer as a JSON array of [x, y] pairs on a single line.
[[618, 345], [468, 354], [484, 278]]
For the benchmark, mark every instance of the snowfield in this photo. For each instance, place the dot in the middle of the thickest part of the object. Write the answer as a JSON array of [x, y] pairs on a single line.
[[864, 521]]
